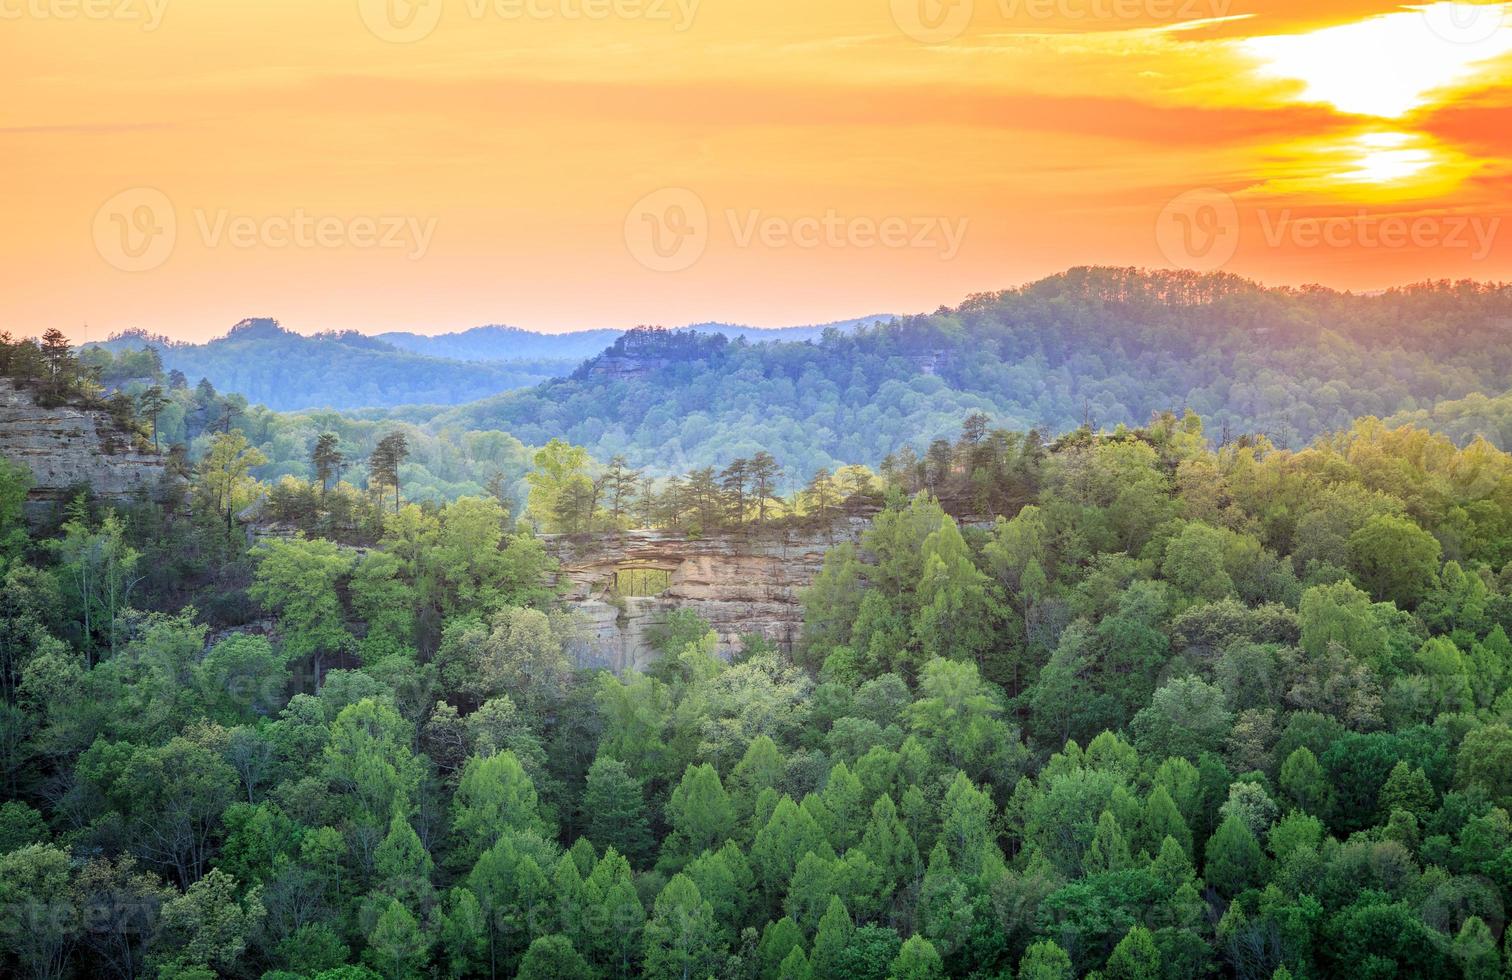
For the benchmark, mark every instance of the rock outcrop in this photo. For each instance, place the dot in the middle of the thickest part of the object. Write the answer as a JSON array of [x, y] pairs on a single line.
[[66, 446], [740, 583]]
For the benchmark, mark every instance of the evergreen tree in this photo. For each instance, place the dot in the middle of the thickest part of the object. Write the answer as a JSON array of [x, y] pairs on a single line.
[[615, 809], [327, 460]]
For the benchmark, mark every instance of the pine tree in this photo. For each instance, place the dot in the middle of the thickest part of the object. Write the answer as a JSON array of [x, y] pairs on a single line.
[[402, 867], [917, 960], [383, 465], [1134, 958], [615, 807], [765, 474], [832, 942], [621, 483], [327, 460], [1234, 861], [397, 947], [151, 404], [679, 939], [59, 363], [552, 958], [733, 482]]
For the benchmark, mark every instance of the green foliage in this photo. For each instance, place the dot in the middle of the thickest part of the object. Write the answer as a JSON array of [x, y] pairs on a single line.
[[1168, 712]]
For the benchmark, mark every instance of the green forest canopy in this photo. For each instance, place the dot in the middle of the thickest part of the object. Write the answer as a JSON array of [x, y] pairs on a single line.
[[1175, 712], [1105, 346]]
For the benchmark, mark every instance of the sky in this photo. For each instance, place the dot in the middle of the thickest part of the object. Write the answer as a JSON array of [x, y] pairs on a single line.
[[179, 165]]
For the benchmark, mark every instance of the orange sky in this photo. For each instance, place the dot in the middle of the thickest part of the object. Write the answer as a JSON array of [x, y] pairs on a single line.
[[177, 165]]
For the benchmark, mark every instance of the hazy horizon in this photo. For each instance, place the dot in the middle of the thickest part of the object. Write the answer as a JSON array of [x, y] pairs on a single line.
[[207, 333]]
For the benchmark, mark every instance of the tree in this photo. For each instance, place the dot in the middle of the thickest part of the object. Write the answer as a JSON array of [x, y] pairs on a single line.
[[169, 797], [1485, 760], [298, 579], [1186, 717], [765, 475], [396, 946], [679, 938], [621, 482], [1407, 788], [327, 459], [615, 809], [832, 941], [34, 886], [150, 404], [15, 481], [1044, 960], [383, 465], [224, 483], [1303, 780], [1475, 950], [1234, 861], [100, 569], [552, 958], [733, 482], [917, 960], [209, 926], [560, 470], [494, 794], [1395, 560], [821, 495], [700, 812], [59, 362], [402, 867], [1134, 958]]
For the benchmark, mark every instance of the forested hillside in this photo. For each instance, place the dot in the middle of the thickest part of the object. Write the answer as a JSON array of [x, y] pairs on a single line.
[[496, 343], [285, 371], [1107, 346], [1156, 710]]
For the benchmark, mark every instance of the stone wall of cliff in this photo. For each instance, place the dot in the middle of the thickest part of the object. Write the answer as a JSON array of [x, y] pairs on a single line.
[[739, 582], [65, 446]]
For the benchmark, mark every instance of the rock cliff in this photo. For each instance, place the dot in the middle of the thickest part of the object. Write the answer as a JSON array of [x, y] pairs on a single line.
[[66, 446], [740, 583]]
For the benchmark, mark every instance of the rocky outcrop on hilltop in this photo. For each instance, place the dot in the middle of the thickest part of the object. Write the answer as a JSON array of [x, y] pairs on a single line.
[[740, 583], [646, 351], [66, 446]]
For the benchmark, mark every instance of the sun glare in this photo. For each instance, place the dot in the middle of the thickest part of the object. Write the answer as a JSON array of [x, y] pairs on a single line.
[[1388, 66], [1386, 157]]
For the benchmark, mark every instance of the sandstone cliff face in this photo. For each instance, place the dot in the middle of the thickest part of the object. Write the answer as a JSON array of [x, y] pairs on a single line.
[[740, 583], [66, 446]]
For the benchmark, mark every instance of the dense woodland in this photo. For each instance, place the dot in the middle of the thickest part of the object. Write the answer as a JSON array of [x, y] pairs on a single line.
[[344, 370], [285, 371], [1098, 346], [1166, 701], [1122, 703]]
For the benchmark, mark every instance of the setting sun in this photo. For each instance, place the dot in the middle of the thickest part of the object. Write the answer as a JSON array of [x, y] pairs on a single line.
[[1389, 66]]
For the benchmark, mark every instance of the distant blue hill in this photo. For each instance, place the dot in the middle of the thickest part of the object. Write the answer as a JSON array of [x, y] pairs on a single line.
[[501, 343], [347, 370]]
